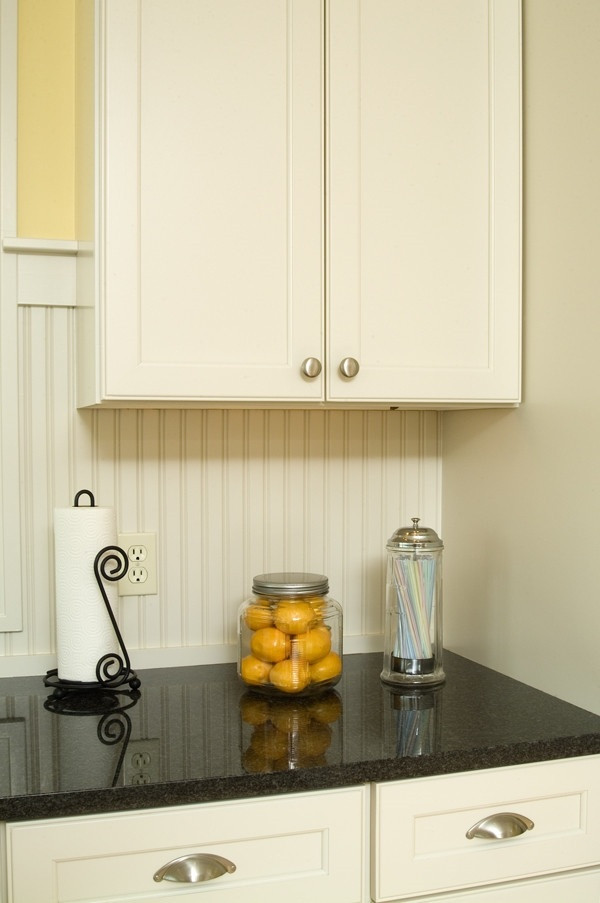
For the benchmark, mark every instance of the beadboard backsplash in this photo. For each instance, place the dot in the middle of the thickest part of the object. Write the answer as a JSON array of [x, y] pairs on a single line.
[[229, 494]]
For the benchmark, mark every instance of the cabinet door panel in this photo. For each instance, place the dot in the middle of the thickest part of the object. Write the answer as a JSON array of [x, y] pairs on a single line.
[[424, 209], [212, 166]]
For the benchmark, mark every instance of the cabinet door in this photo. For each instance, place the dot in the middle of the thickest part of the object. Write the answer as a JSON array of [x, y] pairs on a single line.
[[424, 200], [210, 209]]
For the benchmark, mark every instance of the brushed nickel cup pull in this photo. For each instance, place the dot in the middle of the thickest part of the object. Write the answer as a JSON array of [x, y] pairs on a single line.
[[349, 367], [195, 868], [311, 367], [500, 826]]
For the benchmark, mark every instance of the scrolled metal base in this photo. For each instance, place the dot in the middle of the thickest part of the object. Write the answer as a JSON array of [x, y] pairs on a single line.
[[64, 687]]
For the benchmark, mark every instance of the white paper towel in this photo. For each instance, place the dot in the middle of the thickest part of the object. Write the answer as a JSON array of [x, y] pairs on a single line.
[[84, 632]]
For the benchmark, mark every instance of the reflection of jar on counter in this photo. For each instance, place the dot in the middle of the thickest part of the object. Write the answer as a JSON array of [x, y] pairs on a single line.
[[290, 635], [283, 734]]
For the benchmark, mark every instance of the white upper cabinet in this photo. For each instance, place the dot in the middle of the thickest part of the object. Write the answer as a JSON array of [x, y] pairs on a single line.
[[282, 186], [423, 177]]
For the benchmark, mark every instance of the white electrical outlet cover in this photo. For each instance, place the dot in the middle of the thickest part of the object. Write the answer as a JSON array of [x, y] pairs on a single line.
[[141, 578]]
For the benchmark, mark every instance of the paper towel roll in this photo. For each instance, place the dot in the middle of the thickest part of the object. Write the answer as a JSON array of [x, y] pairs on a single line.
[[84, 632]]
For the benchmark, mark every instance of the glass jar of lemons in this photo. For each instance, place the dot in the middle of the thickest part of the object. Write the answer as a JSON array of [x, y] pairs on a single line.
[[290, 635]]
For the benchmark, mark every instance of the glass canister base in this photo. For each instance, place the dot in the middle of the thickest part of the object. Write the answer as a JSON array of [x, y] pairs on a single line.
[[413, 672], [413, 665]]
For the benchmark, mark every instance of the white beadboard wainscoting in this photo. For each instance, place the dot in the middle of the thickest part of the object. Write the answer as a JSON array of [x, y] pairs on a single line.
[[230, 494]]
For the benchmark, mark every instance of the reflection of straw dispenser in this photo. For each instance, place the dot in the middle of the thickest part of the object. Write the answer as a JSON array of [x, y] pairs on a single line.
[[412, 653], [418, 719]]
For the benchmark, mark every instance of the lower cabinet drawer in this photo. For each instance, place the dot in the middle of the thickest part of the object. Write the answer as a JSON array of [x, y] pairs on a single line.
[[576, 887], [419, 827], [298, 847]]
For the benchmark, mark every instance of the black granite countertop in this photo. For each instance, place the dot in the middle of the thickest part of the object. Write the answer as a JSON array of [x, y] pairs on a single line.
[[195, 735]]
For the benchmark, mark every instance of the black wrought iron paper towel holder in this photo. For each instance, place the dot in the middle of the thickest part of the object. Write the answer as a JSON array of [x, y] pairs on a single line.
[[113, 671]]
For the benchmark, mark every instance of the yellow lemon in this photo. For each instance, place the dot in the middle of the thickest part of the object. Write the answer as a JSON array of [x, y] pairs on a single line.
[[254, 763], [289, 716], [326, 668], [319, 605], [257, 616], [313, 645], [315, 740], [254, 671], [327, 708], [270, 645], [308, 761], [285, 763], [253, 708], [268, 743], [291, 675], [294, 617]]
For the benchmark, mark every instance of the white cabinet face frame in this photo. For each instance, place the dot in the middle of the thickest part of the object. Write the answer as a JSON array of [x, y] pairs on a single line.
[[10, 530], [430, 306]]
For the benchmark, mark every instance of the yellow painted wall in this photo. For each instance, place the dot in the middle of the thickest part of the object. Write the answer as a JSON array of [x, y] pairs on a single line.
[[46, 119]]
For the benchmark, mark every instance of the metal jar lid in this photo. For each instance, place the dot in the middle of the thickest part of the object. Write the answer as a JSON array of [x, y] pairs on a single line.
[[290, 583], [415, 538]]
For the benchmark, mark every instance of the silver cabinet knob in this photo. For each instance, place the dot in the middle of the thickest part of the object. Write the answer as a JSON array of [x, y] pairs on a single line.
[[500, 826], [349, 367], [195, 868], [311, 367]]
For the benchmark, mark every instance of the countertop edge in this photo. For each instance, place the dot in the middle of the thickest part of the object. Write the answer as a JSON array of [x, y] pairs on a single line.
[[189, 792]]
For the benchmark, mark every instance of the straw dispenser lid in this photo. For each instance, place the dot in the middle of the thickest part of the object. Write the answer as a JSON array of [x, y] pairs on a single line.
[[415, 538]]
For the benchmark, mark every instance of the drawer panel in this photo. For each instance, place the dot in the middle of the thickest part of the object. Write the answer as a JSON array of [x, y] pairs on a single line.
[[419, 841], [295, 847], [578, 887]]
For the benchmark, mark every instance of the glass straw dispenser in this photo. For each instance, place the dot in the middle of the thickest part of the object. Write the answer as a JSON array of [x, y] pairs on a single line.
[[412, 653]]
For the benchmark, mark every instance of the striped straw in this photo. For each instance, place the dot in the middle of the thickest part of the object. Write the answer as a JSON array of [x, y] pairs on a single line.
[[414, 579]]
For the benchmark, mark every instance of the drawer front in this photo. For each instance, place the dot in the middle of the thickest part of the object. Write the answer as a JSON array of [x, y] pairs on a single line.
[[299, 847], [419, 841], [578, 887]]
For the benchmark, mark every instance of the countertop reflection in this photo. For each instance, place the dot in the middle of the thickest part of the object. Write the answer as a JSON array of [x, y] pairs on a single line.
[[195, 734]]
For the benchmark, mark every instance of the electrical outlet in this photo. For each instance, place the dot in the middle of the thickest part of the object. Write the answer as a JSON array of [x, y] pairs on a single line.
[[141, 576], [141, 763], [137, 575]]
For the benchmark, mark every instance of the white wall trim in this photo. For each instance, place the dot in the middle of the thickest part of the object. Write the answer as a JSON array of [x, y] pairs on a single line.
[[46, 271], [40, 245], [172, 657]]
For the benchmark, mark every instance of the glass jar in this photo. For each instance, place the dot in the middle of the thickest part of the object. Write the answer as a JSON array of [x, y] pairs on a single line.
[[290, 635], [413, 622]]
